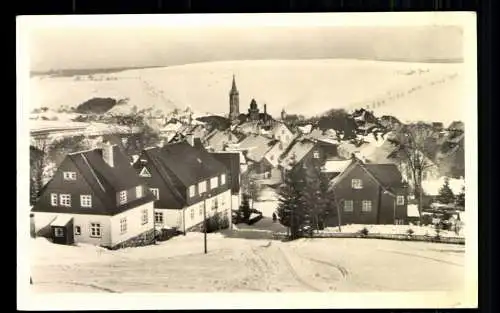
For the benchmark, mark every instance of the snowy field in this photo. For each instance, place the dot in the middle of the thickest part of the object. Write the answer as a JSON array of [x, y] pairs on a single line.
[[409, 91], [239, 265]]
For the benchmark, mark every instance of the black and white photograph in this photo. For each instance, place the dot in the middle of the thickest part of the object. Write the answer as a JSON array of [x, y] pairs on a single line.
[[312, 160]]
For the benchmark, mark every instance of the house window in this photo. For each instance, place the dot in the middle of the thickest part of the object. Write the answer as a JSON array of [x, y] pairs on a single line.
[[223, 179], [123, 225], [367, 206], [59, 232], [400, 200], [348, 206], [144, 172], [65, 200], [86, 201], [271, 157], [202, 187], [159, 217], [155, 192], [124, 140], [145, 217], [316, 154], [78, 230], [95, 230], [215, 204], [123, 197], [357, 184], [282, 131], [53, 199], [222, 202], [214, 183], [192, 214], [138, 192], [69, 175], [192, 191], [201, 210]]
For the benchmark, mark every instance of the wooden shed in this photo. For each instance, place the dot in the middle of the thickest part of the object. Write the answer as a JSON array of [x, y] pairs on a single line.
[[62, 230]]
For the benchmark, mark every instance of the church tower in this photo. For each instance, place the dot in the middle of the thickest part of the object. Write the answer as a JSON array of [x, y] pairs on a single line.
[[234, 102]]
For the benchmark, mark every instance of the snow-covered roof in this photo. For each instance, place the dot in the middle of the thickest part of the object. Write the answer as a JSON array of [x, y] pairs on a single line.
[[412, 210], [329, 140], [172, 127], [336, 166], [305, 129], [61, 220]]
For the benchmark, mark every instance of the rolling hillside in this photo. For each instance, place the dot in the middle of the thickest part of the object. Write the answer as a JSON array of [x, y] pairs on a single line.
[[307, 87]]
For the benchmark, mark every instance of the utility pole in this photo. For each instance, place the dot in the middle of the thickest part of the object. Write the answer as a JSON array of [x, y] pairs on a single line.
[[205, 224]]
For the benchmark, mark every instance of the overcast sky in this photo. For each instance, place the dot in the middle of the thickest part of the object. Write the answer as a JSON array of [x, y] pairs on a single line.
[[81, 48]]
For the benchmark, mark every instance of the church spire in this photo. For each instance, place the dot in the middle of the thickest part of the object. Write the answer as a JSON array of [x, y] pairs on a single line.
[[234, 90], [234, 102]]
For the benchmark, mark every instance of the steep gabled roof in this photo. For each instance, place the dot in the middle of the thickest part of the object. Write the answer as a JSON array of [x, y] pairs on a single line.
[[298, 150], [155, 156], [106, 181], [256, 145], [386, 175], [188, 164]]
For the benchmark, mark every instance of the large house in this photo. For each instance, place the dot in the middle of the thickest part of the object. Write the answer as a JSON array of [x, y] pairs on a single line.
[[232, 162], [305, 152], [369, 194], [95, 197], [255, 148], [187, 182], [218, 140]]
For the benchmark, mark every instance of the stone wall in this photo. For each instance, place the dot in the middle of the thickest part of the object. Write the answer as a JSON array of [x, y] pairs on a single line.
[[144, 239]]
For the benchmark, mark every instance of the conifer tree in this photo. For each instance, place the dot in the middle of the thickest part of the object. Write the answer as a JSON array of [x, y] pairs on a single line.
[[446, 195], [460, 199], [291, 200]]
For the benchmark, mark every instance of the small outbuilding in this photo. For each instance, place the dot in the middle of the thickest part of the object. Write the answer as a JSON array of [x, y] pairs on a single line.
[[62, 230]]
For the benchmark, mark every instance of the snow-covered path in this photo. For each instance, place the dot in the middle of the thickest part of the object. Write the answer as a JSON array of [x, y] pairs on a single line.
[[234, 265]]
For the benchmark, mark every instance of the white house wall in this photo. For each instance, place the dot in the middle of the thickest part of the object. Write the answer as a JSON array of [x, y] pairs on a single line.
[[175, 218], [43, 219], [134, 223]]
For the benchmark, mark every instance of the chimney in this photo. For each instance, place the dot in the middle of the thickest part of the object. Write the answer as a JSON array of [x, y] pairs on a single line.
[[107, 153], [190, 139]]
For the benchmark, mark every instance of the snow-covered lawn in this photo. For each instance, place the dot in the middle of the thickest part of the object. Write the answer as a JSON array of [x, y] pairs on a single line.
[[394, 230], [232, 265]]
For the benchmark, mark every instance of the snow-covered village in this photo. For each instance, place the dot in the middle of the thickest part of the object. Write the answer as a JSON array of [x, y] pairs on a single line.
[[307, 175]]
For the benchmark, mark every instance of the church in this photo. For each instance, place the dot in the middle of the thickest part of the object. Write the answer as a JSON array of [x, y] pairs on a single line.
[[253, 115]]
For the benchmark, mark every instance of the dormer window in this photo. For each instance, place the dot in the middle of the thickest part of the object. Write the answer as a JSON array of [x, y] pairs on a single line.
[[202, 187], [357, 184], [144, 172], [316, 154], [69, 175], [192, 191], [214, 182], [123, 197], [138, 192]]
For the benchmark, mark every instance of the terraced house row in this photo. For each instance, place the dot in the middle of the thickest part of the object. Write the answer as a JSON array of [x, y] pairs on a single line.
[[99, 197]]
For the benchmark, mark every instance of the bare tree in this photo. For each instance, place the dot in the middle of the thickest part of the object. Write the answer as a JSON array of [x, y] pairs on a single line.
[[412, 142], [39, 160]]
